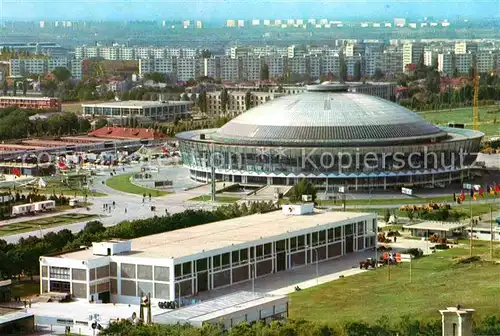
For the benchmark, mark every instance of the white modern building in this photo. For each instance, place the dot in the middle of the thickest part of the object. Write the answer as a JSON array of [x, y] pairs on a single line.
[[183, 263], [155, 110], [229, 310]]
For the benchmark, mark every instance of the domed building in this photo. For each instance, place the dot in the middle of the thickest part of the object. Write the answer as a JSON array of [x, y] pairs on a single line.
[[331, 137]]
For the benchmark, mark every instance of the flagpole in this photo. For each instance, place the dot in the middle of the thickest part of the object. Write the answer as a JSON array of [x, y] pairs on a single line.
[[491, 231], [470, 237]]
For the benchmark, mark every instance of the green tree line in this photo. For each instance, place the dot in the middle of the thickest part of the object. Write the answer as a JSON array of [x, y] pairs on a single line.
[[15, 123], [405, 326]]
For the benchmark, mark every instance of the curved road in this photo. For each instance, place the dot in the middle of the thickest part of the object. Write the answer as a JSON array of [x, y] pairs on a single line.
[[179, 201]]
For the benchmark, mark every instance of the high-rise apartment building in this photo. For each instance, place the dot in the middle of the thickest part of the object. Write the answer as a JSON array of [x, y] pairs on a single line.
[[485, 61], [463, 62], [445, 63], [411, 53]]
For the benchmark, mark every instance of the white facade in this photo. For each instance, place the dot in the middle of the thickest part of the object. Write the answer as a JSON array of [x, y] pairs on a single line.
[[411, 53], [155, 110], [445, 63], [204, 260]]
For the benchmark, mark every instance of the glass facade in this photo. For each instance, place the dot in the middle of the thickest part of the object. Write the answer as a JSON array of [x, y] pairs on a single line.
[[361, 166]]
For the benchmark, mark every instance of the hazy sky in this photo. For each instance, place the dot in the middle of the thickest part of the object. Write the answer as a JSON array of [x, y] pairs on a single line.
[[243, 9]]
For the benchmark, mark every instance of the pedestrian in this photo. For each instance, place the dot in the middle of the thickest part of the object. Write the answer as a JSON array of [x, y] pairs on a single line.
[[114, 204], [125, 210], [150, 197], [143, 200], [394, 238]]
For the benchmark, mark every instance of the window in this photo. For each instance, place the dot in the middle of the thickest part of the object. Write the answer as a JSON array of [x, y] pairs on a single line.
[[59, 273], [186, 268], [201, 265], [128, 271], [244, 254], [226, 259], [216, 261], [330, 235], [338, 233], [235, 257], [162, 273], [314, 238], [268, 249], [322, 237]]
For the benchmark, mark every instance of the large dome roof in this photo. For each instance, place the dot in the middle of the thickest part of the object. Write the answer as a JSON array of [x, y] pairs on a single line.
[[322, 117]]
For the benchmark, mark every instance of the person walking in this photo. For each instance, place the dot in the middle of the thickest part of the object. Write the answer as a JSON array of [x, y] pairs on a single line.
[[125, 210]]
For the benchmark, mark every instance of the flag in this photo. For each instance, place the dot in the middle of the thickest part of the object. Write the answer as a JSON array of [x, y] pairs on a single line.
[[497, 187], [16, 172], [62, 165], [462, 196], [481, 191], [491, 191]]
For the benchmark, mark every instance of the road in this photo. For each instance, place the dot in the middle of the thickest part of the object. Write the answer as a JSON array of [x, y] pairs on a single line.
[[130, 206]]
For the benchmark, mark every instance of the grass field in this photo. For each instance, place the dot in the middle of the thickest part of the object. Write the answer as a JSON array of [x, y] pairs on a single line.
[[221, 199], [43, 223], [122, 183], [407, 200], [477, 209], [25, 288], [438, 281], [487, 116]]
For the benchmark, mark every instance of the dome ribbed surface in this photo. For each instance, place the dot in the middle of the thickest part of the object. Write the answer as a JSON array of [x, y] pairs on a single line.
[[331, 117]]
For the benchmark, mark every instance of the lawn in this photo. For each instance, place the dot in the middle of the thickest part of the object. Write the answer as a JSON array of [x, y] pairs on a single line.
[[438, 281], [122, 183], [220, 199], [44, 223], [477, 209], [25, 288], [487, 116]]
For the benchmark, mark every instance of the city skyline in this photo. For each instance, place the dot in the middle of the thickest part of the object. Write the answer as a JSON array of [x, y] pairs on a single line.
[[216, 10]]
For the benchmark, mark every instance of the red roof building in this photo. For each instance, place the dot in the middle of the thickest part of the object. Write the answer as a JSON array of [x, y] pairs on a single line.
[[126, 133]]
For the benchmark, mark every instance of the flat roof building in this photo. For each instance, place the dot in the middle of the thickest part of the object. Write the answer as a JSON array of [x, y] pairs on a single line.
[[185, 262], [156, 110], [229, 310], [440, 229], [32, 103]]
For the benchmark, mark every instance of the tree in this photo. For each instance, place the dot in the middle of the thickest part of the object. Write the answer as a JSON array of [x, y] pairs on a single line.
[[304, 187], [264, 72], [205, 53], [14, 88], [25, 87], [378, 74], [61, 74], [387, 216], [224, 100], [433, 81], [5, 87], [100, 123], [455, 72], [185, 97], [248, 100], [202, 101], [472, 72], [357, 71], [156, 77]]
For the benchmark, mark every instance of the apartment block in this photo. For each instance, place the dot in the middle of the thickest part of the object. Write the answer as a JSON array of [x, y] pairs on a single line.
[[411, 53], [445, 63], [229, 69], [486, 61], [463, 62]]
